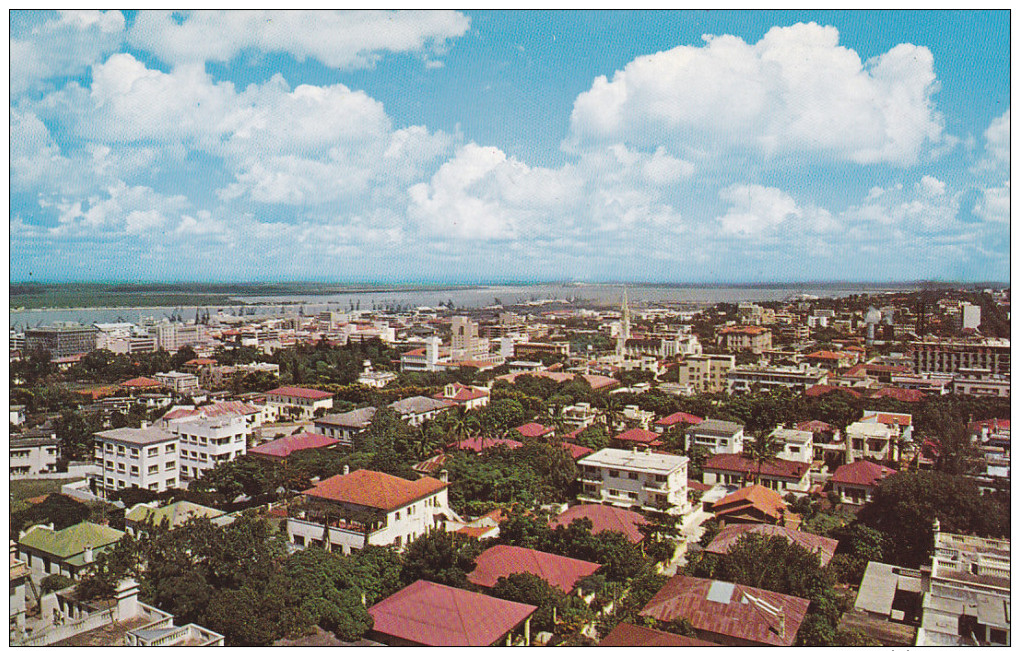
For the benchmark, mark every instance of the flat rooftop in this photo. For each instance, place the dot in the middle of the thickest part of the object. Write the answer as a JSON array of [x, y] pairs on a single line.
[[646, 461], [137, 436]]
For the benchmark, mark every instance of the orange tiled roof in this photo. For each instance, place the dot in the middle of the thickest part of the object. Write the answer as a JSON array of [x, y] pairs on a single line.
[[375, 489]]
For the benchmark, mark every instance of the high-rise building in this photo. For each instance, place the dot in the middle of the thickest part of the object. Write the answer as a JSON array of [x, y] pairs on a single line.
[[61, 341]]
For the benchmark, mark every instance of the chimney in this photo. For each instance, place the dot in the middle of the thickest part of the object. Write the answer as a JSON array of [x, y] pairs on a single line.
[[347, 469], [89, 557], [935, 526], [444, 476], [145, 424]]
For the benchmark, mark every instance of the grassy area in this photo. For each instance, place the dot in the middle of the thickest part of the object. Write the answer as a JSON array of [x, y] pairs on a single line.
[[22, 489]]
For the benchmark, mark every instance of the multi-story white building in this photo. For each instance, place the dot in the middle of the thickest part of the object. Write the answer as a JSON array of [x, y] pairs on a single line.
[[705, 373], [364, 507], [948, 355], [966, 592], [626, 478], [296, 401], [172, 336], [206, 441], [719, 436], [31, 455], [798, 378], [177, 381], [746, 338], [876, 436], [579, 416], [980, 382], [797, 445], [424, 360], [127, 457]]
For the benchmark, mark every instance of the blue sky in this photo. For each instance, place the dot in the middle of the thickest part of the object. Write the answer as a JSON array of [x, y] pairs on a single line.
[[486, 146]]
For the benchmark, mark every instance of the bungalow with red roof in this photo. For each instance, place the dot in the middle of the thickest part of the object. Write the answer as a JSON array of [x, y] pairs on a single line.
[[503, 560], [679, 418], [730, 534], [297, 401], [738, 470], [282, 448], [535, 430], [481, 443], [364, 507], [141, 384], [637, 438], [855, 483], [460, 395], [628, 635], [820, 390], [576, 451], [898, 393], [728, 613], [604, 518], [753, 505], [431, 614]]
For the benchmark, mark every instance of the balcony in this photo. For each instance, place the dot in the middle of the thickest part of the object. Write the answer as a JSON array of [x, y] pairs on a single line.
[[656, 487]]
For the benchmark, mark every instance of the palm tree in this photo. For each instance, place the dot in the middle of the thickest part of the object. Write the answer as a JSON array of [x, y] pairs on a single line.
[[763, 447], [612, 412]]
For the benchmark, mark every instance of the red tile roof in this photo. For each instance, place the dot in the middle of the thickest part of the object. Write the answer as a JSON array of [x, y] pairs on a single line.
[[464, 394], [746, 465], [534, 430], [375, 489], [816, 426], [503, 560], [861, 473], [897, 393], [824, 389], [431, 614], [729, 535], [677, 418], [479, 443], [743, 330], [283, 447], [141, 383], [604, 518], [300, 392], [764, 500], [994, 425], [729, 609], [888, 418], [200, 361], [576, 451], [626, 635], [825, 354], [638, 436]]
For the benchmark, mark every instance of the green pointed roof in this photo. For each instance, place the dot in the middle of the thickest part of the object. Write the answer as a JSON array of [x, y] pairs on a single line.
[[69, 544]]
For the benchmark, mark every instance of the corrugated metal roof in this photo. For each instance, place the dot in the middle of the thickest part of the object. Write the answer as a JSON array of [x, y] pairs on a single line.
[[503, 560]]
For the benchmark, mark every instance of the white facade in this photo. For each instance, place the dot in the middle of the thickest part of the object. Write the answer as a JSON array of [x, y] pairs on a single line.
[[205, 442], [980, 382], [177, 381], [281, 405], [719, 436], [580, 415], [626, 478], [798, 445], [31, 456], [142, 458], [743, 378], [17, 414]]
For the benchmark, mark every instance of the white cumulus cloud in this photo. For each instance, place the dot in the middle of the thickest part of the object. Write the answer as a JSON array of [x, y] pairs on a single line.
[[795, 91]]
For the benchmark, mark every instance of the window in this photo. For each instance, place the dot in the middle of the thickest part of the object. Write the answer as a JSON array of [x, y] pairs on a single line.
[[203, 456], [170, 447], [134, 453], [170, 465], [120, 467], [134, 470], [299, 540], [614, 492], [120, 449], [632, 495], [396, 516], [170, 483], [154, 486], [614, 473], [632, 475], [660, 478], [997, 636], [153, 451]]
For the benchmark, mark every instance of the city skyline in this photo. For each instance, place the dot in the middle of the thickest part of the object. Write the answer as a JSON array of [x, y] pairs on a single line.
[[673, 147]]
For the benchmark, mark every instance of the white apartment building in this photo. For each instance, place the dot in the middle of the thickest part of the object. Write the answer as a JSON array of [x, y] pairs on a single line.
[[948, 355], [32, 455], [171, 336], [798, 378], [966, 592], [876, 436], [177, 381], [143, 458], [626, 478], [705, 373], [296, 401], [579, 416], [798, 445], [364, 507], [980, 382], [424, 360], [206, 441], [719, 436]]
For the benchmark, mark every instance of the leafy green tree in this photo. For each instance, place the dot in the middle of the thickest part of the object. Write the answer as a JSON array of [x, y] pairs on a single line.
[[440, 557], [763, 447], [906, 504], [530, 589], [57, 509], [594, 436], [243, 475]]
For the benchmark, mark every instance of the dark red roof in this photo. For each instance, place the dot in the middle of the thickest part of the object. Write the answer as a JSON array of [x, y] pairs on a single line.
[[576, 451], [897, 393], [283, 447], [861, 473], [300, 392], [746, 465], [141, 382], [604, 518], [677, 418], [503, 560], [816, 426], [638, 436], [729, 609], [730, 534], [463, 394], [534, 430], [431, 614], [625, 635], [824, 389], [479, 443], [375, 489]]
